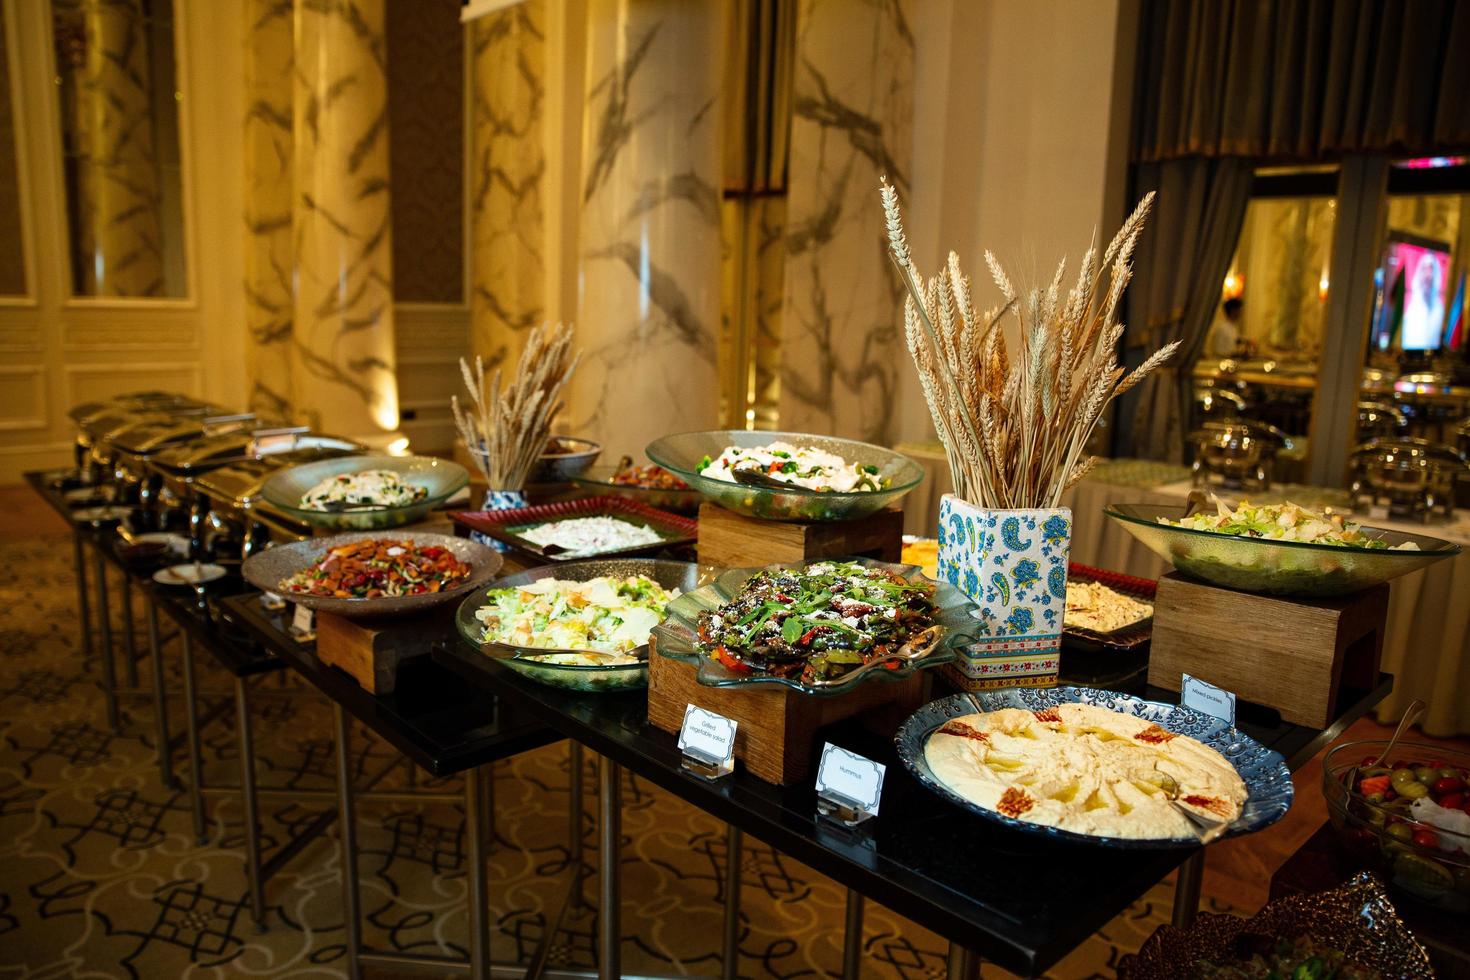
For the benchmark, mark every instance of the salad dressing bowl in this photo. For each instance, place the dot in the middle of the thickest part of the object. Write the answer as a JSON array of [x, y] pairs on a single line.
[[442, 478], [1266, 565], [267, 569], [771, 500], [683, 576]]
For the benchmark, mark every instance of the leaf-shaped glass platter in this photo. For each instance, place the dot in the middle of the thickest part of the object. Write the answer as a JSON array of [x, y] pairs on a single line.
[[677, 637]]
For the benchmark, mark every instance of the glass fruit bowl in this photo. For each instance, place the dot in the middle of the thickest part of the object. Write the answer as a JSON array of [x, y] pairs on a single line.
[[599, 480], [1288, 568], [1429, 863], [684, 576], [442, 478], [678, 634], [682, 454]]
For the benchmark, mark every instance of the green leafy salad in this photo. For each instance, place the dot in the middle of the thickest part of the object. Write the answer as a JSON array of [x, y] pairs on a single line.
[[1284, 522], [606, 615]]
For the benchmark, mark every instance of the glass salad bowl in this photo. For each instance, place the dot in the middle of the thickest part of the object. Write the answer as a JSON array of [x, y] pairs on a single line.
[[683, 455], [586, 676], [599, 480], [1287, 568], [442, 478], [678, 634], [1429, 863]]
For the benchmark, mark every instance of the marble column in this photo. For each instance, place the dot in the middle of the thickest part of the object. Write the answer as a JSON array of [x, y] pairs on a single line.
[[842, 325], [343, 369], [508, 295], [650, 240], [269, 173], [117, 168]]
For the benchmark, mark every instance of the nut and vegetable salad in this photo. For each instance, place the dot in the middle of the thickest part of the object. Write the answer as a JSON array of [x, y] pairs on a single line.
[[373, 569], [817, 623], [1284, 522], [648, 477]]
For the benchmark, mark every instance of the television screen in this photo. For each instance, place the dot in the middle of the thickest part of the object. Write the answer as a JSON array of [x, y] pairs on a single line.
[[1412, 282]]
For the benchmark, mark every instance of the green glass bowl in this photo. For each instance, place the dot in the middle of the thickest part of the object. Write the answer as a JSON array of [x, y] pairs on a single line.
[[1286, 568], [443, 479], [681, 575], [681, 454]]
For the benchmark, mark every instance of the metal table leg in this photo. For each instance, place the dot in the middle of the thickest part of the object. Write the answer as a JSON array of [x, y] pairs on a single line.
[[160, 697], [730, 958], [477, 805], [1187, 889], [347, 830], [84, 612], [963, 964], [610, 816], [252, 804], [130, 642], [575, 768], [104, 620], [191, 722], [852, 937]]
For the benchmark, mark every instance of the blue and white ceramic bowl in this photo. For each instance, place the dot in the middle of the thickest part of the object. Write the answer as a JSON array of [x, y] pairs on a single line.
[[1267, 780]]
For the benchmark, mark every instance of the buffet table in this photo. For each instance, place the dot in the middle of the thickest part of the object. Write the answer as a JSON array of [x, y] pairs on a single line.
[[1428, 637]]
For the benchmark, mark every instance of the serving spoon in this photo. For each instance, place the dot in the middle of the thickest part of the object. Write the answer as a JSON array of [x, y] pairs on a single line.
[[919, 646]]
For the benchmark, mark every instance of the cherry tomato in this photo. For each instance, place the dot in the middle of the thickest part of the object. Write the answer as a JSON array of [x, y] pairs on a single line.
[[1455, 801], [1426, 838], [1446, 785]]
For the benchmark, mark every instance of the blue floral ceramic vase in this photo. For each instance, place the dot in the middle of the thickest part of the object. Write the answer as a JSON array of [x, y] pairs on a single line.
[[1013, 566], [499, 500]]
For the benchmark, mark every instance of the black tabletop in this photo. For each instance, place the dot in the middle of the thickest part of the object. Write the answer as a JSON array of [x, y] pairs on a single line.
[[1019, 901], [444, 725]]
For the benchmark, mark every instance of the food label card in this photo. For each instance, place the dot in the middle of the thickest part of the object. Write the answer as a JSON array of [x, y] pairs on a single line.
[[852, 782], [708, 740], [303, 622], [1204, 696]]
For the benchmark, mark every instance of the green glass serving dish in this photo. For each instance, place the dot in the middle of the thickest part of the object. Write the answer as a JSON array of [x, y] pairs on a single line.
[[683, 454], [1286, 568], [440, 477]]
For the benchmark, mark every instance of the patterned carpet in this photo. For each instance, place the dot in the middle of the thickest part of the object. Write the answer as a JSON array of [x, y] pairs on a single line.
[[100, 875]]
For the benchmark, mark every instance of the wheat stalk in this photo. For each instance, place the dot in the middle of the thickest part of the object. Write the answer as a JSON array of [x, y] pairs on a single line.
[[506, 430], [1015, 432]]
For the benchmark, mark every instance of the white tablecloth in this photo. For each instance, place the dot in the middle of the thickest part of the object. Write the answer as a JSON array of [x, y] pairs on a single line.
[[1427, 647]]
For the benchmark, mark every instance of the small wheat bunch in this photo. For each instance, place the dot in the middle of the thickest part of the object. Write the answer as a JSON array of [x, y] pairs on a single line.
[[506, 430], [1015, 430]]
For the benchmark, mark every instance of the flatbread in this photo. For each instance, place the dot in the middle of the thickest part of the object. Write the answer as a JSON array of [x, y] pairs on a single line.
[[1086, 769]]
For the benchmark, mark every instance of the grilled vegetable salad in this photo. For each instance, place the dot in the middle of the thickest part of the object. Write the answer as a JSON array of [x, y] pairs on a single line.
[[816, 623], [604, 614], [375, 569]]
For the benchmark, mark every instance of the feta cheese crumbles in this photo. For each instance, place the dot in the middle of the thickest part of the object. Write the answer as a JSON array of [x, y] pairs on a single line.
[[805, 467]]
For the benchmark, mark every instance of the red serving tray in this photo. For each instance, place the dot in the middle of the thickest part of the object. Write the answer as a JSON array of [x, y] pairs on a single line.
[[674, 529]]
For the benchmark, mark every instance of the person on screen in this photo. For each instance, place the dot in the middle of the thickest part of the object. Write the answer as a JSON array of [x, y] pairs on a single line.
[[1424, 312], [1224, 339]]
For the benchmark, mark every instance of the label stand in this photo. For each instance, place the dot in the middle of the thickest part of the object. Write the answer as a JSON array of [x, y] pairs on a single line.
[[843, 777]]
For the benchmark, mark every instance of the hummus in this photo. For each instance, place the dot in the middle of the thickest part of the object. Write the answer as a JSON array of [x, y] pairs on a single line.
[[1083, 768]]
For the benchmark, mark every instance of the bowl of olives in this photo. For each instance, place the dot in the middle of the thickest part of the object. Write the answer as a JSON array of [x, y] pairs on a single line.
[[1406, 817]]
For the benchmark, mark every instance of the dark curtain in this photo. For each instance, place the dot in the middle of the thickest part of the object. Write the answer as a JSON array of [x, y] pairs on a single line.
[[1182, 257], [1302, 79]]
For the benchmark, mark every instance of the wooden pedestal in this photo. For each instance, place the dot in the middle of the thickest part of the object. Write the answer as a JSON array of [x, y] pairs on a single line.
[[1293, 655], [736, 541], [370, 650], [776, 737]]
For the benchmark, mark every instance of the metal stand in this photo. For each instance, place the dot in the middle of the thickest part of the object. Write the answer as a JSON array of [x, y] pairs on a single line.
[[610, 818], [130, 641], [251, 802], [191, 722], [84, 613], [963, 964], [347, 841], [1187, 889], [734, 847], [160, 696], [577, 768], [104, 620], [477, 806], [852, 937]]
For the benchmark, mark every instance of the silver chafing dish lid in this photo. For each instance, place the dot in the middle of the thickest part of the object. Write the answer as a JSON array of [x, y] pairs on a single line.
[[1238, 434], [148, 438], [239, 483], [137, 401], [1405, 453]]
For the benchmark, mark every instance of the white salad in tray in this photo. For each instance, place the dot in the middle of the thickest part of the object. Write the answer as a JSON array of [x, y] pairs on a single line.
[[363, 490], [582, 536], [803, 467], [596, 622]]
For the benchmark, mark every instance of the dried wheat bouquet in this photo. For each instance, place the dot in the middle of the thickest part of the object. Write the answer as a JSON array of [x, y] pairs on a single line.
[[506, 429], [1016, 429]]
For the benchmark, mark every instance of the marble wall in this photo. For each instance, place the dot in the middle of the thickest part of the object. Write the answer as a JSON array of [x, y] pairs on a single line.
[[841, 328], [508, 295], [269, 172], [650, 234], [344, 363]]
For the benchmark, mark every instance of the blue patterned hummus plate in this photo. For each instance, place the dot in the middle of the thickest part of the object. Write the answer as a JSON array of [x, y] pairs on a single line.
[[1267, 780]]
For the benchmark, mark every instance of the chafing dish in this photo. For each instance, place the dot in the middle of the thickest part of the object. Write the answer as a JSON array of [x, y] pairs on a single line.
[[1237, 453], [229, 517], [1380, 420], [133, 446], [1218, 403], [1414, 477], [98, 425]]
